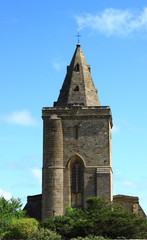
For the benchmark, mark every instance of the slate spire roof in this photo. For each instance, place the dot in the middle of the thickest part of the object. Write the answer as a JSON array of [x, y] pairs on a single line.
[[78, 87]]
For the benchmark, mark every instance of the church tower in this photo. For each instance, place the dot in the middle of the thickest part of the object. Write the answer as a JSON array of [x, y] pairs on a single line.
[[76, 143]]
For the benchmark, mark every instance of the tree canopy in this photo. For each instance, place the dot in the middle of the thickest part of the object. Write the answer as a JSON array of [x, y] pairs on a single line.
[[101, 218], [9, 209]]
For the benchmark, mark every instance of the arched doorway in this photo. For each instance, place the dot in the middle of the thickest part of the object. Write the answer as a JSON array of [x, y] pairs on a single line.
[[77, 181]]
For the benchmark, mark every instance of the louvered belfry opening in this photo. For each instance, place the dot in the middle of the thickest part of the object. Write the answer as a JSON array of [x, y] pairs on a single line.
[[77, 181]]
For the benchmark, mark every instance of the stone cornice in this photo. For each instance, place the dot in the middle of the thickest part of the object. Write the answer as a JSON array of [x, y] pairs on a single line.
[[78, 112], [104, 169]]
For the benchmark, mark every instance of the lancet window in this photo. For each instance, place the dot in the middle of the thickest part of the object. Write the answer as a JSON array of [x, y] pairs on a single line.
[[77, 181]]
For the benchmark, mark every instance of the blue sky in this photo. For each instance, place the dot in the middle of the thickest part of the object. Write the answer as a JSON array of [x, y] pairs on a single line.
[[37, 43]]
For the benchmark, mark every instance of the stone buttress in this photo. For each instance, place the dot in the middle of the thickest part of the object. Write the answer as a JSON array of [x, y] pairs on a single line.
[[52, 172]]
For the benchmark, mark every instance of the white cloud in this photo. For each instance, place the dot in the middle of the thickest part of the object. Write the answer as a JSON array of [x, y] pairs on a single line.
[[114, 21], [5, 194], [37, 174], [58, 63], [128, 183], [23, 118]]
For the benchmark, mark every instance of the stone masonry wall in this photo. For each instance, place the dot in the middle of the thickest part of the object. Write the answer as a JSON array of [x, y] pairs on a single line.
[[129, 203], [92, 145]]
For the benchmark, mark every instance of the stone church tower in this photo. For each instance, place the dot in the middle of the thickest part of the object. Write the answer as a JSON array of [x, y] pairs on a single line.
[[76, 148], [76, 143]]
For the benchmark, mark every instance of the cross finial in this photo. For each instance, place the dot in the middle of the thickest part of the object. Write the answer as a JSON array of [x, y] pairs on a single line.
[[78, 35]]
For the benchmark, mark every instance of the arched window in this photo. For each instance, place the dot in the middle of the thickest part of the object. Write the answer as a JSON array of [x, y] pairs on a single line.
[[77, 181], [77, 177]]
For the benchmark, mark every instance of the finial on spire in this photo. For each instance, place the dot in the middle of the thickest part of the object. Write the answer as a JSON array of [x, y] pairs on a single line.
[[78, 35]]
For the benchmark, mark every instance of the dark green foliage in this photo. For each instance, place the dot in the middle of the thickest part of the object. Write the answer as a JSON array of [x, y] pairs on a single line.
[[44, 234], [60, 224], [90, 237], [94, 203], [9, 209], [101, 218], [48, 223]]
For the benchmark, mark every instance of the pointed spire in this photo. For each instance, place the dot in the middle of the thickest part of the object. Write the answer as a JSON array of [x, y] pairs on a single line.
[[78, 87]]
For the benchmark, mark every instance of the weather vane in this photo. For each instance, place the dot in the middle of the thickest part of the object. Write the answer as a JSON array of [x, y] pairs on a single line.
[[78, 35]]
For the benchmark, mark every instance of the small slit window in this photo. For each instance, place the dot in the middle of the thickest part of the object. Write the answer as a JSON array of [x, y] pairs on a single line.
[[76, 132], [77, 68], [76, 89]]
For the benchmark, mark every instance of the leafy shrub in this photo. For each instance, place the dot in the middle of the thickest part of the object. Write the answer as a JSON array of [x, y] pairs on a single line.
[[69, 209], [21, 228], [90, 237], [63, 224], [60, 224], [48, 223], [94, 203], [44, 234]]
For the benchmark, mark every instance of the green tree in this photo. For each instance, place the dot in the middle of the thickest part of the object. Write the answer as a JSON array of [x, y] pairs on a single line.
[[9, 209], [101, 218]]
